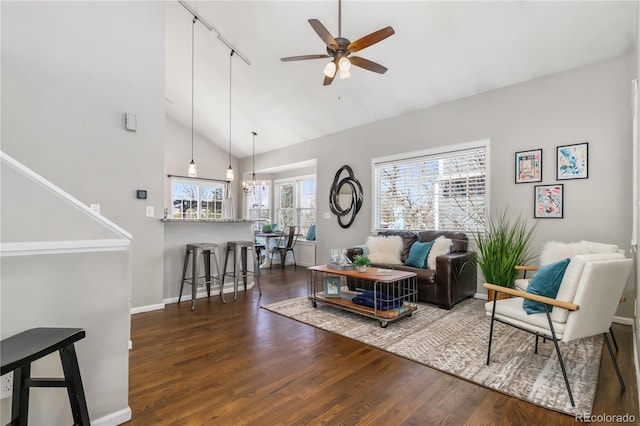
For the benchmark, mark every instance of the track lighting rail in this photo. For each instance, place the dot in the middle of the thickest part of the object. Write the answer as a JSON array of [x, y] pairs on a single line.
[[212, 28]]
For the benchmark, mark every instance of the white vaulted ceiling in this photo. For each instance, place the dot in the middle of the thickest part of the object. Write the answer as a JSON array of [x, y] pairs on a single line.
[[441, 51]]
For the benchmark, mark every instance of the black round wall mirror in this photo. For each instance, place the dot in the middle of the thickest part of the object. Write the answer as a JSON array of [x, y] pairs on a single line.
[[345, 198]]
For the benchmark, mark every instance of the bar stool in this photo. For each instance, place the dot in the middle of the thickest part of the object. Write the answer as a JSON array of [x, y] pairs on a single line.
[[207, 250], [242, 247], [19, 351]]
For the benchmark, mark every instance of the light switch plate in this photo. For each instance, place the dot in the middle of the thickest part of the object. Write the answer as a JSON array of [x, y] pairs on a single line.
[[149, 211], [130, 122], [327, 215]]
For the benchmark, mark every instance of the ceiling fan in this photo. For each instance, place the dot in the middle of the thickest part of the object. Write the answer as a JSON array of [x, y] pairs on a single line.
[[340, 49]]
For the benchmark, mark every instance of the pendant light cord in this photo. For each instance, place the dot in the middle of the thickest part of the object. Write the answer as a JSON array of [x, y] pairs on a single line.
[[230, 62], [193, 26]]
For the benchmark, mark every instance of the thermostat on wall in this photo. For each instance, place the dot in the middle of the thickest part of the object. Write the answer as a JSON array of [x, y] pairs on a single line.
[[141, 194]]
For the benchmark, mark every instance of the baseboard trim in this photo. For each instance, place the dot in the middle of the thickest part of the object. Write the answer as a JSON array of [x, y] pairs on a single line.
[[482, 296], [623, 320], [148, 308], [113, 419], [202, 293]]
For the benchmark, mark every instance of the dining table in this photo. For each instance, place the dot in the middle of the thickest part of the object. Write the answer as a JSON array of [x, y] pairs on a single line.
[[267, 236]]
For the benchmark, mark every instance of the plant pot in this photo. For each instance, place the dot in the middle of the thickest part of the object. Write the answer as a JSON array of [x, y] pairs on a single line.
[[362, 268], [491, 294]]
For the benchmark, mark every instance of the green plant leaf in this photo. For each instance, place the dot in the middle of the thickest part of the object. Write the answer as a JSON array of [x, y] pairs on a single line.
[[505, 244]]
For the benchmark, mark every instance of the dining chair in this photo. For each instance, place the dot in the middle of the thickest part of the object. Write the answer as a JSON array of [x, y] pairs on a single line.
[[286, 243]]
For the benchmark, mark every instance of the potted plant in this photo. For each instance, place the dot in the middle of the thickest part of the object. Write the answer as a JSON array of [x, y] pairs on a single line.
[[361, 261], [505, 244]]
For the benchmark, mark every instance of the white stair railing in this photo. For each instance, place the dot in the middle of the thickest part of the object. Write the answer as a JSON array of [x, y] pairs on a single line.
[[122, 239]]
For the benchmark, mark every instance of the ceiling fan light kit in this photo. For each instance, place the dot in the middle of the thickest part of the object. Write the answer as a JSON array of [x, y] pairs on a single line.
[[339, 49], [330, 69], [344, 63]]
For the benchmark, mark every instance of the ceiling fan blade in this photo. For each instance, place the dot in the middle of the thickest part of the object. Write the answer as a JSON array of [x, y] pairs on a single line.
[[370, 39], [328, 80], [367, 64], [304, 57], [324, 34]]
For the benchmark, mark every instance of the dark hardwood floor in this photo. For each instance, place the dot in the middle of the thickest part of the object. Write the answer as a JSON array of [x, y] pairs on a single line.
[[237, 364]]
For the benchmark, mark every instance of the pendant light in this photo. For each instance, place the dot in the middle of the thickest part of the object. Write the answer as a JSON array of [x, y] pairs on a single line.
[[230, 170], [192, 171]]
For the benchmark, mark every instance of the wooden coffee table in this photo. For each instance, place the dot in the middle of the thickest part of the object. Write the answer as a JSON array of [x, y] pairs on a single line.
[[394, 293]]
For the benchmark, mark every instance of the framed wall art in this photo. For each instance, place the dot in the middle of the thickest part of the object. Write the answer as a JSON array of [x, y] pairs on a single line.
[[529, 166], [572, 161], [548, 201]]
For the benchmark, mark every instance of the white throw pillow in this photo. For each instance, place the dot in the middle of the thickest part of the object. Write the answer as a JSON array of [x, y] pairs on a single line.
[[385, 249], [554, 251], [441, 245]]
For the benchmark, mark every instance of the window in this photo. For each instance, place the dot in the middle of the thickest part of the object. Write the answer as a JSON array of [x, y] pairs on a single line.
[[296, 202], [193, 199], [440, 191], [259, 206]]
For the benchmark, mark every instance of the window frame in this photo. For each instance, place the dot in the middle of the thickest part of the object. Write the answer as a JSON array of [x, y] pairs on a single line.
[[296, 209], [199, 183], [436, 152], [257, 223]]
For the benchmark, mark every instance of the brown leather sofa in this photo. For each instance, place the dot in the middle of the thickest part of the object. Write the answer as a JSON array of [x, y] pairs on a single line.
[[455, 276]]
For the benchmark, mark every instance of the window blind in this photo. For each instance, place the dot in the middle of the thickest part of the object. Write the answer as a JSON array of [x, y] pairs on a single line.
[[442, 191]]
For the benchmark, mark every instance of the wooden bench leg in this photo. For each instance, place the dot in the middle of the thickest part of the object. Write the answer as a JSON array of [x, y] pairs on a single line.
[[74, 385], [20, 396]]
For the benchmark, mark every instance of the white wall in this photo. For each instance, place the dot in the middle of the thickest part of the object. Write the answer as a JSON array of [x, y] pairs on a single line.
[[588, 104], [70, 70], [73, 290]]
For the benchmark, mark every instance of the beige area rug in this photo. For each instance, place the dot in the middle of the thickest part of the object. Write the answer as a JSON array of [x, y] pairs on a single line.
[[456, 341]]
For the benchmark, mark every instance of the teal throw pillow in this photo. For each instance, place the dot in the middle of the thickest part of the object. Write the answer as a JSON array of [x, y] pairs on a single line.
[[418, 254], [545, 282], [311, 233]]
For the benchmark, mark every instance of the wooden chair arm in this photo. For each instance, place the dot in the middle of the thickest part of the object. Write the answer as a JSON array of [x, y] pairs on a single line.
[[542, 299], [526, 268]]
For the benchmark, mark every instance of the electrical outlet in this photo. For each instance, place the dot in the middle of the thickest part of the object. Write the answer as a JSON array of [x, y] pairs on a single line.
[[7, 385]]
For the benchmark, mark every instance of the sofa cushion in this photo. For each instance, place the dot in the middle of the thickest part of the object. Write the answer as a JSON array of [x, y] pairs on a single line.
[[459, 240], [418, 254], [441, 245], [385, 249], [545, 282], [408, 238]]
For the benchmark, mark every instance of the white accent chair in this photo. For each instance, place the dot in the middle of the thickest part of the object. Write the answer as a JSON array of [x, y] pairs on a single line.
[[554, 251], [584, 306]]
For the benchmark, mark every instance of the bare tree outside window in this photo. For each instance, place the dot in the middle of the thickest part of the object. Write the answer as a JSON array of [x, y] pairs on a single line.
[[440, 192], [296, 202], [258, 206], [196, 200]]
